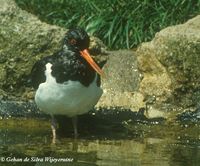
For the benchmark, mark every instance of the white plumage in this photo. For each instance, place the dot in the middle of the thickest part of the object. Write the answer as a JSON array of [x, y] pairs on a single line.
[[70, 98]]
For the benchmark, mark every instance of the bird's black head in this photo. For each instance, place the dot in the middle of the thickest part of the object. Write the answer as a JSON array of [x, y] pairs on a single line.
[[77, 39]]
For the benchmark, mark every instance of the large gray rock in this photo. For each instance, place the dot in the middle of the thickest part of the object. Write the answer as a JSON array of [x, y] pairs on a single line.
[[121, 82], [170, 64], [23, 40]]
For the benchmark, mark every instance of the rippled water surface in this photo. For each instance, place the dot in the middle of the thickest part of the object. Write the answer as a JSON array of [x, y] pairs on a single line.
[[28, 142]]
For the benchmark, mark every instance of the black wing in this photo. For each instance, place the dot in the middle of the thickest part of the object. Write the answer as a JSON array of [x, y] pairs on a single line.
[[38, 71]]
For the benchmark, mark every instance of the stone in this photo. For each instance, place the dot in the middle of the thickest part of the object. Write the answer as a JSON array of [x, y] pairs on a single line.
[[156, 81], [170, 64], [121, 81]]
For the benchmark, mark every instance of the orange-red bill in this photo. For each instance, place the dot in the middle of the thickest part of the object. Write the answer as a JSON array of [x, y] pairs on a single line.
[[85, 54]]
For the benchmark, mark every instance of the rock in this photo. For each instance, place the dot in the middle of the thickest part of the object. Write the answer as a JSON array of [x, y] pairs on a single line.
[[24, 39], [16, 109], [170, 65], [189, 116], [121, 81], [156, 81]]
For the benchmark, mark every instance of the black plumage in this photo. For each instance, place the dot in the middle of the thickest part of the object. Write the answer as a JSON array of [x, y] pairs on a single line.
[[67, 64]]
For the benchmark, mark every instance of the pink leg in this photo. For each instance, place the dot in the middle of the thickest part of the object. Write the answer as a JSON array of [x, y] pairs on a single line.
[[53, 128]]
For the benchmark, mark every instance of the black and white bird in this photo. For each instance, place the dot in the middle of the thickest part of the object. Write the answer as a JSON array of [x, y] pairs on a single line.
[[67, 82]]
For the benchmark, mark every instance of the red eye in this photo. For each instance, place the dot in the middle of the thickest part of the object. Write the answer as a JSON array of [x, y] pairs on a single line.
[[73, 41]]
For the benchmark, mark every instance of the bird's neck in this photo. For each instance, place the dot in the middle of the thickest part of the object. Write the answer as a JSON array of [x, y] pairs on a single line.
[[69, 53], [68, 49]]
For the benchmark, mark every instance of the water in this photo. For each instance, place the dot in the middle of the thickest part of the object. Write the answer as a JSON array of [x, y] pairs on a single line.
[[143, 145]]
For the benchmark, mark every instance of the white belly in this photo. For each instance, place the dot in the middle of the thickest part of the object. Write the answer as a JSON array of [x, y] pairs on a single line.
[[70, 98]]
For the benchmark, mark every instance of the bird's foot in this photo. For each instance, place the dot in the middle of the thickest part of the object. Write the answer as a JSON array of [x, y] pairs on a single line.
[[54, 136]]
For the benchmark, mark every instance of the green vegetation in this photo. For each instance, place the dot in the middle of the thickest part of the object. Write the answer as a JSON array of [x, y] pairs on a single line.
[[118, 23]]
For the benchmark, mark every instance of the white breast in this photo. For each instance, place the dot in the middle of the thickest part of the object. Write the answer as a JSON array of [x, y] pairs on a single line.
[[70, 98]]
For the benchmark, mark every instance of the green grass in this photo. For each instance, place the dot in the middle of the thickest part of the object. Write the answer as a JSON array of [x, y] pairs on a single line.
[[118, 23]]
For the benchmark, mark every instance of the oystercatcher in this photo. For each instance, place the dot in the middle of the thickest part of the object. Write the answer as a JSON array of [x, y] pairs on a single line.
[[67, 82]]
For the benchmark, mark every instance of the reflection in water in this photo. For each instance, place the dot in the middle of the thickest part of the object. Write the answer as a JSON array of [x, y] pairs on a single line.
[[155, 146]]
